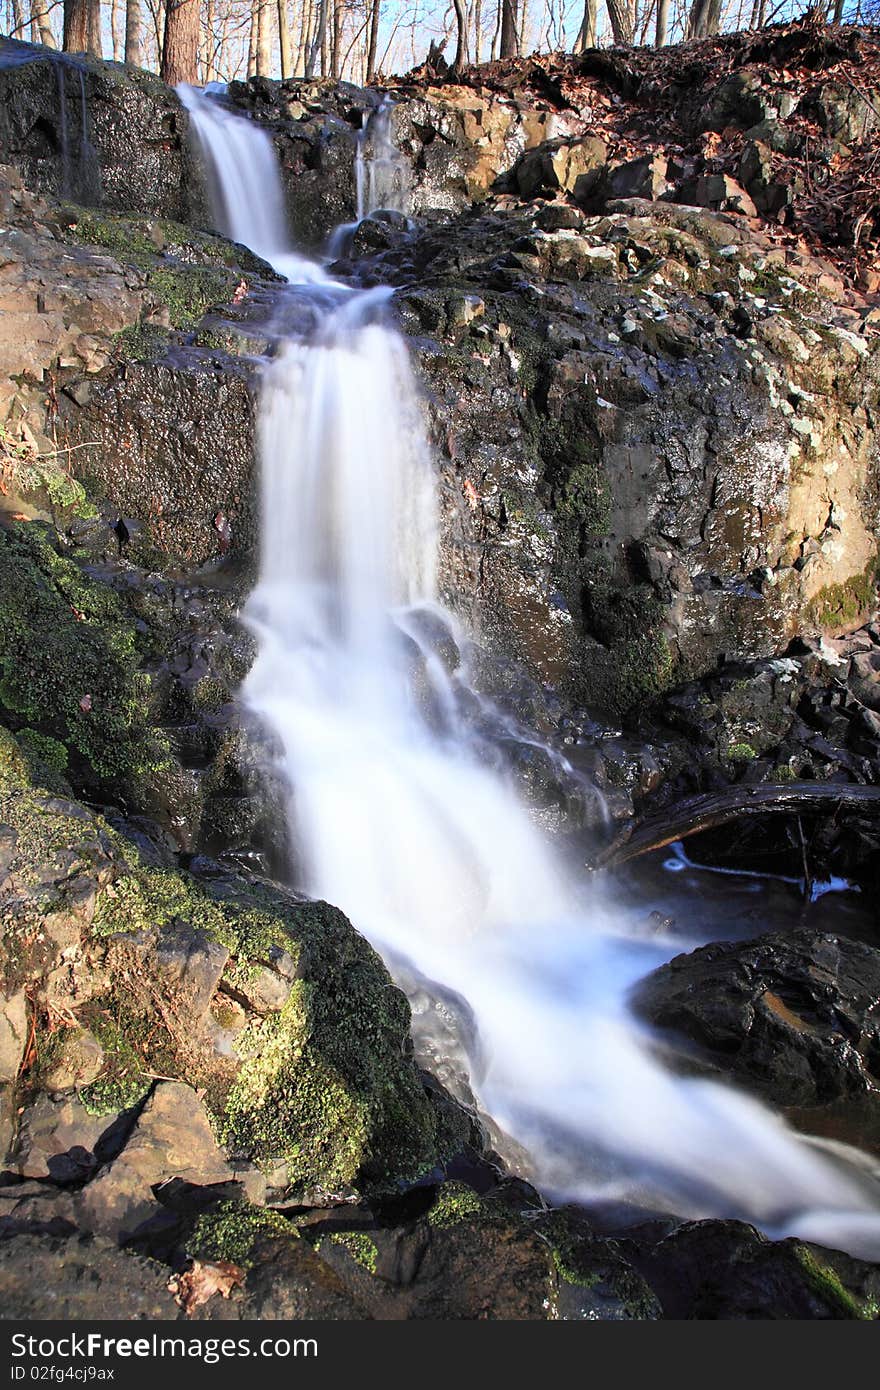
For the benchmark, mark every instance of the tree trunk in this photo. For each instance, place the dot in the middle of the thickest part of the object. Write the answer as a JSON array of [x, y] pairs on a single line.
[[206, 45], [622, 14], [264, 39], [252, 46], [662, 23], [336, 49], [43, 23], [710, 809], [284, 40], [318, 40], [586, 37], [509, 45], [180, 50], [704, 19], [374, 39], [76, 26], [461, 36], [133, 32], [94, 45], [115, 37]]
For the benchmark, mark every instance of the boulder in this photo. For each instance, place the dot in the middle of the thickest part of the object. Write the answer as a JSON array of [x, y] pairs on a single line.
[[171, 1138], [793, 1017], [645, 177], [727, 1270], [97, 132]]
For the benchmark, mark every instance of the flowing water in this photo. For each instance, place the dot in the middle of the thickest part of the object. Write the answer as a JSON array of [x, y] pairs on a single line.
[[401, 815]]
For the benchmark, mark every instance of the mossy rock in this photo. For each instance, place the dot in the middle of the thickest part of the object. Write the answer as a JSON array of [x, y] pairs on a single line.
[[324, 1089], [325, 1086], [70, 674]]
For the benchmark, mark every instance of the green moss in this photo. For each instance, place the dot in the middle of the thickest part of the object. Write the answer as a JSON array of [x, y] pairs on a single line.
[[123, 1082], [188, 291], [29, 474], [741, 753], [359, 1245], [325, 1085], [125, 238], [838, 605], [150, 899], [826, 1282], [229, 1232], [15, 772], [455, 1202], [142, 342], [70, 665], [44, 750]]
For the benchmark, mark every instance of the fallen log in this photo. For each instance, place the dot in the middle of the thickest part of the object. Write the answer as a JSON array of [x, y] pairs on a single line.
[[711, 809]]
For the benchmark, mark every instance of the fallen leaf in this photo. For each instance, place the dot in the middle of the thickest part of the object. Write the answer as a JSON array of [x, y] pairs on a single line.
[[202, 1281]]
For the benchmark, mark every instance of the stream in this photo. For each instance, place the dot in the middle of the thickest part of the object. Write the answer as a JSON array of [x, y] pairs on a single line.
[[401, 813]]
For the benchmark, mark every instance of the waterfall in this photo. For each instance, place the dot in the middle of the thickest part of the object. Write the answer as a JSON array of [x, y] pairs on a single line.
[[381, 172], [399, 814]]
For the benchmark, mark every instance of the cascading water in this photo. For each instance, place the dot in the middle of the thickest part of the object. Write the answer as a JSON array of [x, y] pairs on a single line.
[[399, 817]]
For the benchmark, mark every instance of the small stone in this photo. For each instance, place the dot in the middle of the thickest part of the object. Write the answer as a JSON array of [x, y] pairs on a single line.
[[58, 1138], [13, 1034], [77, 1063]]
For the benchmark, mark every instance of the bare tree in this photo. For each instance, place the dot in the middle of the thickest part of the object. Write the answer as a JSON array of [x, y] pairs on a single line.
[[180, 49], [704, 19], [285, 53], [77, 25], [264, 39], [509, 44], [622, 14], [373, 39], [662, 27], [461, 35], [42, 24], [132, 32], [586, 35]]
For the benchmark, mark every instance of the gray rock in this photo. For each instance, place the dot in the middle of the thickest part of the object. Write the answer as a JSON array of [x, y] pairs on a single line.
[[191, 964], [77, 1062], [58, 1139], [172, 1138], [13, 1034], [79, 1277]]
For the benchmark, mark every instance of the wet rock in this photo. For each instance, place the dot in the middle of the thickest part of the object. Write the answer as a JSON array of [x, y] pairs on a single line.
[[288, 1280], [794, 1018], [95, 132], [188, 426], [79, 1277], [727, 1270]]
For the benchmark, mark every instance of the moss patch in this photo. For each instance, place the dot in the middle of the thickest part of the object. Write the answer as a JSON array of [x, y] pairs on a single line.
[[826, 1282], [455, 1202], [839, 605], [230, 1231], [359, 1246], [69, 666]]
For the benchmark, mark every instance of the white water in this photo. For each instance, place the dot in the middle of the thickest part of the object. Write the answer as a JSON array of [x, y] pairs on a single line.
[[399, 816]]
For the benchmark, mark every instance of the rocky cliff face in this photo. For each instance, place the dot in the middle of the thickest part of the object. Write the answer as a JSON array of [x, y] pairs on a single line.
[[654, 411], [656, 421]]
